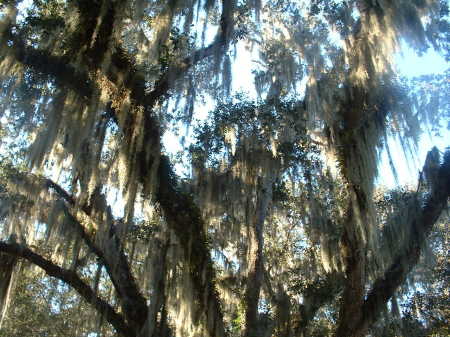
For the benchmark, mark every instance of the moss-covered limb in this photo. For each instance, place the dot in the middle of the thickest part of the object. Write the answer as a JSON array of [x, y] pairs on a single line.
[[183, 217], [315, 296], [255, 274], [385, 286], [110, 255], [123, 75], [72, 279], [252, 292], [97, 17], [356, 224], [356, 149], [281, 302], [179, 69], [226, 22], [354, 258], [122, 66], [156, 306], [123, 63], [57, 68], [181, 213]]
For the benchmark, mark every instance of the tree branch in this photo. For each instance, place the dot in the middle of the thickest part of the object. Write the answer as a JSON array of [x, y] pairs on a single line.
[[184, 218], [178, 68], [110, 255], [116, 264], [315, 296], [56, 67], [71, 278], [180, 211], [385, 286]]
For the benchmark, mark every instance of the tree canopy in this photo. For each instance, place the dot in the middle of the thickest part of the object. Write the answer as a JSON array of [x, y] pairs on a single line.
[[268, 221]]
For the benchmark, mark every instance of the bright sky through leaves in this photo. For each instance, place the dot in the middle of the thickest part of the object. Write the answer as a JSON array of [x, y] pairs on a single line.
[[412, 65]]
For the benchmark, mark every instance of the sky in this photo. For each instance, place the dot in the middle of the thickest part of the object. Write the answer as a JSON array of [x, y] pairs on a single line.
[[409, 64]]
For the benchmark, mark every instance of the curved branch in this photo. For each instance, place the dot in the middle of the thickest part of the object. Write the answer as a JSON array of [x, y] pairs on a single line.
[[72, 279], [178, 68], [184, 218], [116, 264], [315, 297], [181, 213], [110, 255], [385, 286]]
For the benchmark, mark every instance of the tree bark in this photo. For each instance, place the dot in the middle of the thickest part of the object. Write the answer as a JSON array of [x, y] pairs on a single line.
[[316, 296], [109, 253], [184, 218], [7, 266], [151, 327], [354, 259]]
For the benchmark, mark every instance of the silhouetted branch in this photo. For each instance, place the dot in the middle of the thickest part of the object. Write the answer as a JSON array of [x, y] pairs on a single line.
[[72, 279], [385, 286], [110, 255], [395, 275]]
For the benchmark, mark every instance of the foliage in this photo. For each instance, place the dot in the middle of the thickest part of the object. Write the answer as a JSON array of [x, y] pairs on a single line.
[[276, 227], [46, 307]]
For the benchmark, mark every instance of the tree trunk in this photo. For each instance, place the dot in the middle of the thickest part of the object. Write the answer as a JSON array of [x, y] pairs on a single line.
[[353, 296], [7, 266], [255, 256]]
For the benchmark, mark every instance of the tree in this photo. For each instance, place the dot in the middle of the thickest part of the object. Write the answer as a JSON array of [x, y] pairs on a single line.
[[44, 306], [274, 231]]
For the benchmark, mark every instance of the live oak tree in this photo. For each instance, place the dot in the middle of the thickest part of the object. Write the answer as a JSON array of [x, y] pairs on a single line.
[[44, 306], [276, 230]]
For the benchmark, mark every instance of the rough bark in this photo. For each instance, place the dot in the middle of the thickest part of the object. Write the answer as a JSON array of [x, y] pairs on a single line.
[[157, 301], [7, 266], [184, 218], [354, 259], [315, 297]]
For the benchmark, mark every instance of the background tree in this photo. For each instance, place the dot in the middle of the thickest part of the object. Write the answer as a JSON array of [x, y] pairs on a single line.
[[275, 229]]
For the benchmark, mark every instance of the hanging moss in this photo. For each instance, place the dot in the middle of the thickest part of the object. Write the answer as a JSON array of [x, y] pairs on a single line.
[[261, 213]]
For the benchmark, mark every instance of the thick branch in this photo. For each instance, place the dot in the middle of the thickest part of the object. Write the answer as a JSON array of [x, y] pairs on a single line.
[[178, 68], [72, 279], [385, 286], [56, 67], [181, 213], [112, 257], [316, 296], [355, 260], [255, 256], [184, 218]]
